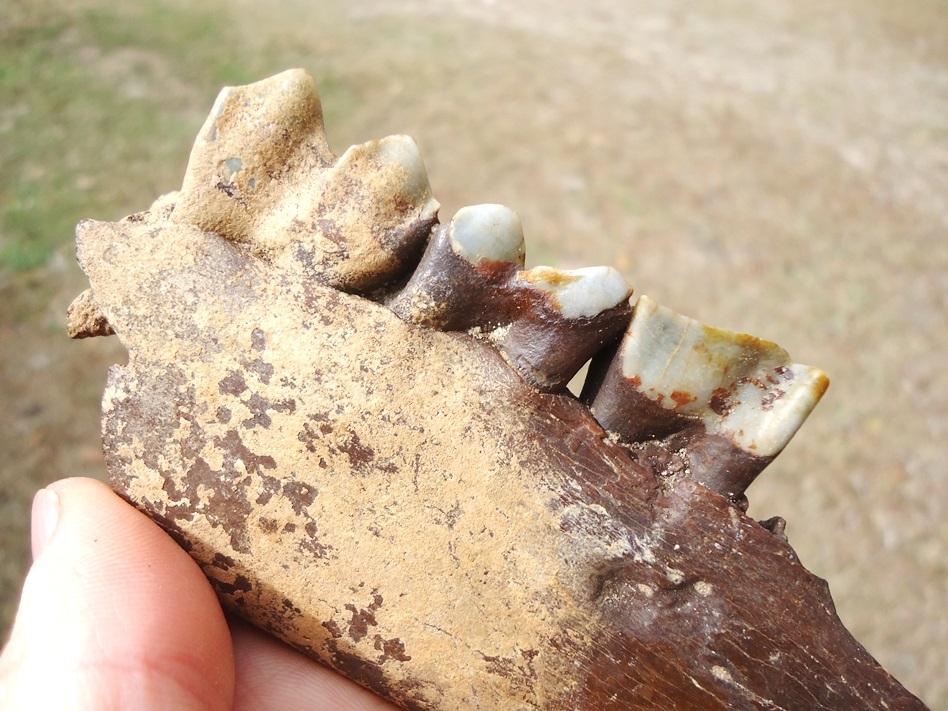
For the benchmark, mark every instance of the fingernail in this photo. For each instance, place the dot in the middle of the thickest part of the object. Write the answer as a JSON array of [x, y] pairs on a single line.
[[44, 517]]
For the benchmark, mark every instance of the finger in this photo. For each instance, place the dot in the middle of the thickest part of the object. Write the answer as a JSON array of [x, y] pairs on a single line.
[[114, 615], [271, 675]]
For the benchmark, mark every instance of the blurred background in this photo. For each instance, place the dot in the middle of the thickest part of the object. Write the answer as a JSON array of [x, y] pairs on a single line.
[[778, 167]]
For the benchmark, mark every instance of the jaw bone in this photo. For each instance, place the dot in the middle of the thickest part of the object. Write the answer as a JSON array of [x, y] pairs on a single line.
[[422, 509]]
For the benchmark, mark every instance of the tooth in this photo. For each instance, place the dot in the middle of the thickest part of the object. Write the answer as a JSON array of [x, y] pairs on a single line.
[[733, 399], [261, 174], [462, 280], [257, 138], [85, 318], [569, 316], [546, 321], [369, 216]]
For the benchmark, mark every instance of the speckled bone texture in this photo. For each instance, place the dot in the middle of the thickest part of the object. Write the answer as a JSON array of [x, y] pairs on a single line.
[[425, 510]]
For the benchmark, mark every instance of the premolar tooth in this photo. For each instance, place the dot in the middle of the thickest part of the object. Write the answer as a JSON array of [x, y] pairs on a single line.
[[568, 317], [366, 219], [733, 401], [547, 322], [463, 278]]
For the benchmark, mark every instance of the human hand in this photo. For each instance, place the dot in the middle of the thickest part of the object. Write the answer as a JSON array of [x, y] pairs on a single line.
[[114, 615]]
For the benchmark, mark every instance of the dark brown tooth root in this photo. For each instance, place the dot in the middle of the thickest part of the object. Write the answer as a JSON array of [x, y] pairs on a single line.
[[261, 174], [567, 318], [547, 322], [729, 400], [463, 279]]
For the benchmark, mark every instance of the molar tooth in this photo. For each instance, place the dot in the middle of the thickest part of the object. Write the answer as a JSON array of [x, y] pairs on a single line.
[[367, 218], [731, 400], [462, 280], [568, 316]]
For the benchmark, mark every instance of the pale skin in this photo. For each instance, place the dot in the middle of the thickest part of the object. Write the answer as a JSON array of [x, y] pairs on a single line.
[[114, 615]]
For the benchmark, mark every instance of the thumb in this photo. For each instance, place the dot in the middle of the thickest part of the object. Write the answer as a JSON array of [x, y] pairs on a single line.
[[114, 615]]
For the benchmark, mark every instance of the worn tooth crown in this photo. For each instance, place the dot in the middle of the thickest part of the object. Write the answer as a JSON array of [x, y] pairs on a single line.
[[567, 317], [672, 372], [580, 293], [490, 232]]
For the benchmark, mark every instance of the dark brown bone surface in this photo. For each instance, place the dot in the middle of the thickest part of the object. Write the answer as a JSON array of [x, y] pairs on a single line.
[[397, 501]]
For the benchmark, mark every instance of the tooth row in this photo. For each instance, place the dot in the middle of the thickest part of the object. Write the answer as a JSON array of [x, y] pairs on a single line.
[[730, 400], [262, 176], [547, 322]]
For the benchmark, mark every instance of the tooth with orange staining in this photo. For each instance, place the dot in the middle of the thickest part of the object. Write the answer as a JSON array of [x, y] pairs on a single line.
[[730, 400]]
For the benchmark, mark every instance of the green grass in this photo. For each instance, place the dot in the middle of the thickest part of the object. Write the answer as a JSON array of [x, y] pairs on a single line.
[[75, 141]]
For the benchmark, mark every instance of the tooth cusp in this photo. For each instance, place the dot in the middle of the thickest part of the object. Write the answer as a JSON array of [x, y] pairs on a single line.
[[732, 400], [579, 293], [487, 232], [364, 221]]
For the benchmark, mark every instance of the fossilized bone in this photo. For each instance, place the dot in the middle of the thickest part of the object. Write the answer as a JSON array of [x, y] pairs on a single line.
[[356, 421]]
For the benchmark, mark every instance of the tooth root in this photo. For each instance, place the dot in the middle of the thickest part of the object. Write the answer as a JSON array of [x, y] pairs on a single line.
[[463, 278], [568, 317], [85, 318], [730, 400]]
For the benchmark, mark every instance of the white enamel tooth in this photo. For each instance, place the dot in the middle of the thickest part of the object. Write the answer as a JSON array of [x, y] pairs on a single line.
[[671, 372], [464, 277], [487, 231], [580, 293], [568, 317], [738, 385]]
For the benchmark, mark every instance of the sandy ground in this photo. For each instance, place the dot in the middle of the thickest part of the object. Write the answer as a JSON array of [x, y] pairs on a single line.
[[778, 168]]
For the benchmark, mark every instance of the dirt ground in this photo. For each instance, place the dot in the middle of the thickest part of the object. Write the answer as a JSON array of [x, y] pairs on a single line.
[[777, 167]]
